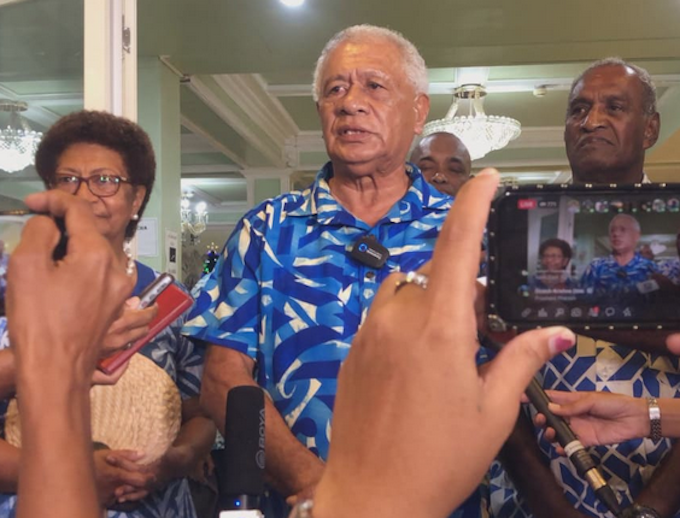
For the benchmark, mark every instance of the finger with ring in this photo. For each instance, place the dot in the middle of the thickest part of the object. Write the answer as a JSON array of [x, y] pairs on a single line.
[[412, 277]]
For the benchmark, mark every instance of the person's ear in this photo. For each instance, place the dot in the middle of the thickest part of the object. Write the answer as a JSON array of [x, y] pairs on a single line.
[[421, 106], [652, 130]]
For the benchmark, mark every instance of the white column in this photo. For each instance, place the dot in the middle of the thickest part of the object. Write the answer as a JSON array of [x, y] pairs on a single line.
[[110, 60]]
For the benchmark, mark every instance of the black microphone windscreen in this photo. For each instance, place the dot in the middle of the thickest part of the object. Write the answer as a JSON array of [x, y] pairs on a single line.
[[243, 456]]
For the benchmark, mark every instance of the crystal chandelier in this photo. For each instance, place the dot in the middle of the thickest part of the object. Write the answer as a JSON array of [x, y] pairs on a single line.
[[194, 219], [17, 141], [481, 133]]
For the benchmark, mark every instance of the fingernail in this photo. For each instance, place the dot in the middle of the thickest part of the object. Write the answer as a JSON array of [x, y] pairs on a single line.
[[487, 172], [562, 340]]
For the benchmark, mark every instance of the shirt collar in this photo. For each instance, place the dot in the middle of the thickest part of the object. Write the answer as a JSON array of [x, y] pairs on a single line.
[[420, 197]]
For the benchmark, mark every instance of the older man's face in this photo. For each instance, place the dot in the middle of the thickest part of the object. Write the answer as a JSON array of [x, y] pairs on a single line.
[[623, 235], [606, 129], [369, 110]]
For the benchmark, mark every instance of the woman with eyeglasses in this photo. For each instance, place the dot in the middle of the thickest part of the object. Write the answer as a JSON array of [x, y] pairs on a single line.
[[109, 162]]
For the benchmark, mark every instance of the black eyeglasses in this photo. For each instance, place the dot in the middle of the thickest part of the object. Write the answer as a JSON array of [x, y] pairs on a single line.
[[101, 185]]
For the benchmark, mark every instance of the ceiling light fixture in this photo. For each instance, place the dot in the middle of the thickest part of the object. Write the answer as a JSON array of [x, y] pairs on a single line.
[[17, 141], [194, 220], [481, 133], [292, 3]]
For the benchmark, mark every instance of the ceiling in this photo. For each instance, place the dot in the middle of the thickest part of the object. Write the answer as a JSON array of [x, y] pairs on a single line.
[[247, 65]]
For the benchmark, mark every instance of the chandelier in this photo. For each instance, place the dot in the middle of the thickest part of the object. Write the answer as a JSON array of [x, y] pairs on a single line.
[[481, 133], [17, 141], [194, 219]]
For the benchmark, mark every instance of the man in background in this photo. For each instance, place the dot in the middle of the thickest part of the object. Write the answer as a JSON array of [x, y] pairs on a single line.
[[444, 161], [611, 121]]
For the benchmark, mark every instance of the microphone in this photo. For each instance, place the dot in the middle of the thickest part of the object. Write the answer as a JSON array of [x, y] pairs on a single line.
[[574, 449], [368, 251], [240, 465], [576, 452]]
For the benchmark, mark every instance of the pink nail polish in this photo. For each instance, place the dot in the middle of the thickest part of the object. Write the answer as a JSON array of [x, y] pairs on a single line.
[[561, 342]]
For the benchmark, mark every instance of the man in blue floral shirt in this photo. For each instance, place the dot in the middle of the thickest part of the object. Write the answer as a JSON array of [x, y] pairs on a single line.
[[288, 294], [622, 275]]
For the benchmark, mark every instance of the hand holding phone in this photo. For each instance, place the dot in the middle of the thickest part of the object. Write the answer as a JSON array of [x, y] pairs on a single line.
[[137, 316], [130, 326], [171, 302]]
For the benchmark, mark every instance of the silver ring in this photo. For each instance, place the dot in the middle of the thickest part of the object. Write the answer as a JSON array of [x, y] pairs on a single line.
[[127, 346], [412, 277]]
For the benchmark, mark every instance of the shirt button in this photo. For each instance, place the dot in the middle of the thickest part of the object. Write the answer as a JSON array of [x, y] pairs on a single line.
[[370, 275]]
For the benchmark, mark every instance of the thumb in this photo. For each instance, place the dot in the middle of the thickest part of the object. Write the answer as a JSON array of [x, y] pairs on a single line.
[[510, 372], [673, 343], [576, 407], [132, 302]]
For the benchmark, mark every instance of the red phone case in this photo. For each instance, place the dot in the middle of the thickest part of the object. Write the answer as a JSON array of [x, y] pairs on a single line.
[[172, 302]]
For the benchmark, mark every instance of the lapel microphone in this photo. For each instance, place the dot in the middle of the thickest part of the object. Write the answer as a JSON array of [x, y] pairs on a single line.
[[368, 251]]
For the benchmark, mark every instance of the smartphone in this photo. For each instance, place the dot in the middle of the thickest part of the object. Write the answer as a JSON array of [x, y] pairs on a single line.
[[153, 290], [585, 257], [172, 302]]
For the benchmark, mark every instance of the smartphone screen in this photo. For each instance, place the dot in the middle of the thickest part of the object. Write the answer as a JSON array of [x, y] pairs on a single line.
[[586, 257]]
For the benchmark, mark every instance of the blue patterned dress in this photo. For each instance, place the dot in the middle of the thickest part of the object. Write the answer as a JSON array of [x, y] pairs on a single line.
[[286, 293], [184, 363]]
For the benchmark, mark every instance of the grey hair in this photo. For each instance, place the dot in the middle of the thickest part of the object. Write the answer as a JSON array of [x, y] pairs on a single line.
[[413, 62], [648, 88], [636, 223]]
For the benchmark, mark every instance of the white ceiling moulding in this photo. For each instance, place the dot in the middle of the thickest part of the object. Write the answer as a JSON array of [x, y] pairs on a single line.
[[492, 86], [203, 195], [447, 87], [249, 91], [192, 144], [539, 137], [3, 3], [309, 142], [266, 172], [195, 170], [521, 163], [195, 128], [37, 111], [232, 119], [229, 207], [290, 90], [303, 142]]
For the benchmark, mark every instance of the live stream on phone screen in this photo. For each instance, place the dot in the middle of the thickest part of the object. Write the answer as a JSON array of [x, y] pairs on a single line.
[[590, 258]]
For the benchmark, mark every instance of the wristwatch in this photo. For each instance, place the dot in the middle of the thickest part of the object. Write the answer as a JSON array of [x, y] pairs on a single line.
[[654, 419], [640, 511]]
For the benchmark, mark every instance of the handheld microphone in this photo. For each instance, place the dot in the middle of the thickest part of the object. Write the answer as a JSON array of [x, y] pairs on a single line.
[[241, 463], [576, 452]]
